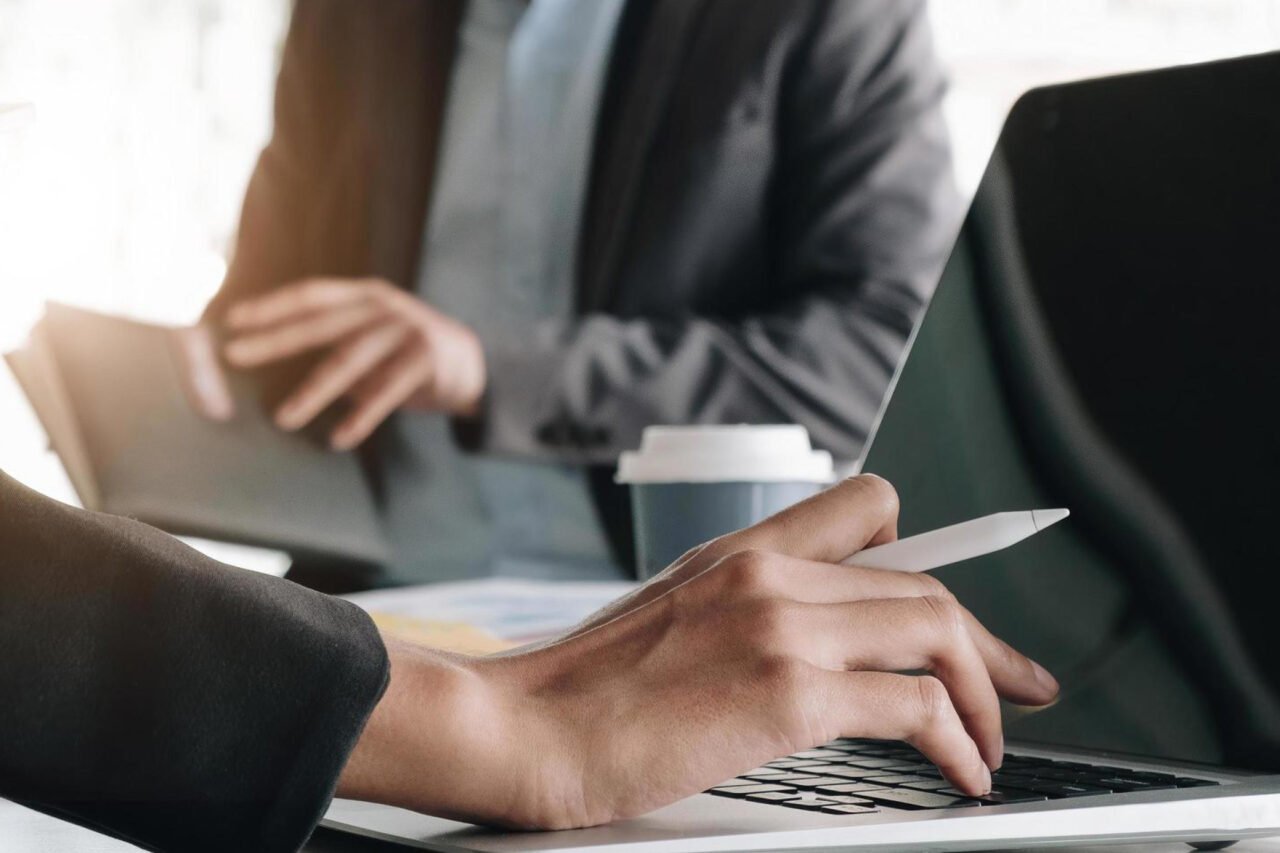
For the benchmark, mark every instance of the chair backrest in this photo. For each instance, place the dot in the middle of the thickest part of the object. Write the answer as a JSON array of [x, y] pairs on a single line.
[[1105, 338]]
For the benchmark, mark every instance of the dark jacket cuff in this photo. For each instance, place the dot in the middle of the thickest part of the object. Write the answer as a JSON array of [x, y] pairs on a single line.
[[358, 671]]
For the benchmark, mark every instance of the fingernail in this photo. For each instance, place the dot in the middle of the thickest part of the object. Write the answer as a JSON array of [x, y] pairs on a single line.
[[287, 418], [986, 780], [1044, 678]]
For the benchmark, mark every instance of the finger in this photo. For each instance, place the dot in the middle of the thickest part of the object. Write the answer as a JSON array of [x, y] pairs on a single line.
[[827, 527], [381, 394], [780, 576], [898, 635], [1017, 677], [203, 378], [759, 574], [291, 338], [292, 300], [915, 709], [338, 372]]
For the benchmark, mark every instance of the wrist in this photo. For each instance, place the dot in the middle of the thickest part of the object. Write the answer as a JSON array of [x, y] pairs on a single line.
[[435, 741]]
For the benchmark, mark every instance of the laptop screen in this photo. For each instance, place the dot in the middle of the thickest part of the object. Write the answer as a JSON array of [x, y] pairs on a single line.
[[1104, 337]]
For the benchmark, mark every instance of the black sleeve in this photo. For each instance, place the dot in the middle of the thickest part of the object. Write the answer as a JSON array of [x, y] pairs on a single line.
[[867, 218], [163, 698]]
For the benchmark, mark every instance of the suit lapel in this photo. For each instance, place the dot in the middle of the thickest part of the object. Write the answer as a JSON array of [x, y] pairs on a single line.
[[639, 89], [404, 90]]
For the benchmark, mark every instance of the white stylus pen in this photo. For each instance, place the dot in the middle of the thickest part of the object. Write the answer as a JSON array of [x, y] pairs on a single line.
[[962, 541]]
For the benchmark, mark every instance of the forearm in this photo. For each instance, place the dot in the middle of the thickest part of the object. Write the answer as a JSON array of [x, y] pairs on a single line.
[[586, 393]]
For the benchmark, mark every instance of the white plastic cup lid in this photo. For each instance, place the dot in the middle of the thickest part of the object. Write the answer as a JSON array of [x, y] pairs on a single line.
[[742, 453]]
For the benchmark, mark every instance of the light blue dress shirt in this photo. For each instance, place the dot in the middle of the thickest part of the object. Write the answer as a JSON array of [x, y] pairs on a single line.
[[499, 254]]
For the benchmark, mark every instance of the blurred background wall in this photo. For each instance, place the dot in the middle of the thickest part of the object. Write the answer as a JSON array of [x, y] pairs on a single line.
[[122, 192]]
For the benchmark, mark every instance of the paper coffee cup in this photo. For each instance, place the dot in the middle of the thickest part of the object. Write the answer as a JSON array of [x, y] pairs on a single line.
[[690, 484]]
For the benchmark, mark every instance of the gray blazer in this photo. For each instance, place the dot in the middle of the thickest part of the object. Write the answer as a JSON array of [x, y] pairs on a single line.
[[769, 204]]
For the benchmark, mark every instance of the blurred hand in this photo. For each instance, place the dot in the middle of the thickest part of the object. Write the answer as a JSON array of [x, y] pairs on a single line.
[[385, 349], [752, 647], [206, 384]]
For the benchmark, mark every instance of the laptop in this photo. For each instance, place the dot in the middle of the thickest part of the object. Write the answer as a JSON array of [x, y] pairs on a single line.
[[1101, 338]]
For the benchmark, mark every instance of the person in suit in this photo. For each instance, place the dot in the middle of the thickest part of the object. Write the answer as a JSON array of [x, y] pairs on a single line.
[[180, 704], [554, 222]]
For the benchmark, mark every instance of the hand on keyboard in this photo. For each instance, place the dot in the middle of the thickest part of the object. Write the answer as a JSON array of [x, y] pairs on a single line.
[[755, 646]]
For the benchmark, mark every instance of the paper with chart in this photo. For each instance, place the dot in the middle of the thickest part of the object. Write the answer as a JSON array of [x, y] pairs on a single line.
[[510, 610]]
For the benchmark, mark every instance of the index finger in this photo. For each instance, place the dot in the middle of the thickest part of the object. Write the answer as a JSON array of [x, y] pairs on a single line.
[[293, 299], [828, 527]]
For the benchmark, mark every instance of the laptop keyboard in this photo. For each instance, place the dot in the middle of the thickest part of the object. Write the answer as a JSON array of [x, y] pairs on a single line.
[[851, 777]]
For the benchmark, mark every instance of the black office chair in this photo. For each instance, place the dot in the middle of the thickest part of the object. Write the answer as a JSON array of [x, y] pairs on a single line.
[[1110, 316]]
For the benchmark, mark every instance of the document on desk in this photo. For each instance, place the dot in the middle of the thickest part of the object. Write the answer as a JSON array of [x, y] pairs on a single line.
[[511, 610]]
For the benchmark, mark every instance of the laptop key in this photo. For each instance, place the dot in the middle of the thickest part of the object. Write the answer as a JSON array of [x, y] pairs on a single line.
[[773, 797], [1060, 774], [785, 763], [856, 773], [1058, 790], [765, 773], [1107, 770], [900, 779], [1188, 782], [1124, 784], [818, 753], [843, 809], [1000, 796], [907, 799], [928, 785], [748, 790], [1008, 779], [850, 788], [817, 782], [872, 763], [811, 802]]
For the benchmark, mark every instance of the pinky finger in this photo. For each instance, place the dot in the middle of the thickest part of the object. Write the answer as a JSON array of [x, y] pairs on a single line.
[[381, 394]]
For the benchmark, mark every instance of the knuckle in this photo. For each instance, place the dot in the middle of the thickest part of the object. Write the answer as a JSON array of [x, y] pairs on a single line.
[[932, 700], [932, 587], [772, 623], [1015, 661], [313, 288], [690, 554], [879, 491], [785, 677], [945, 613], [747, 571], [721, 547]]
